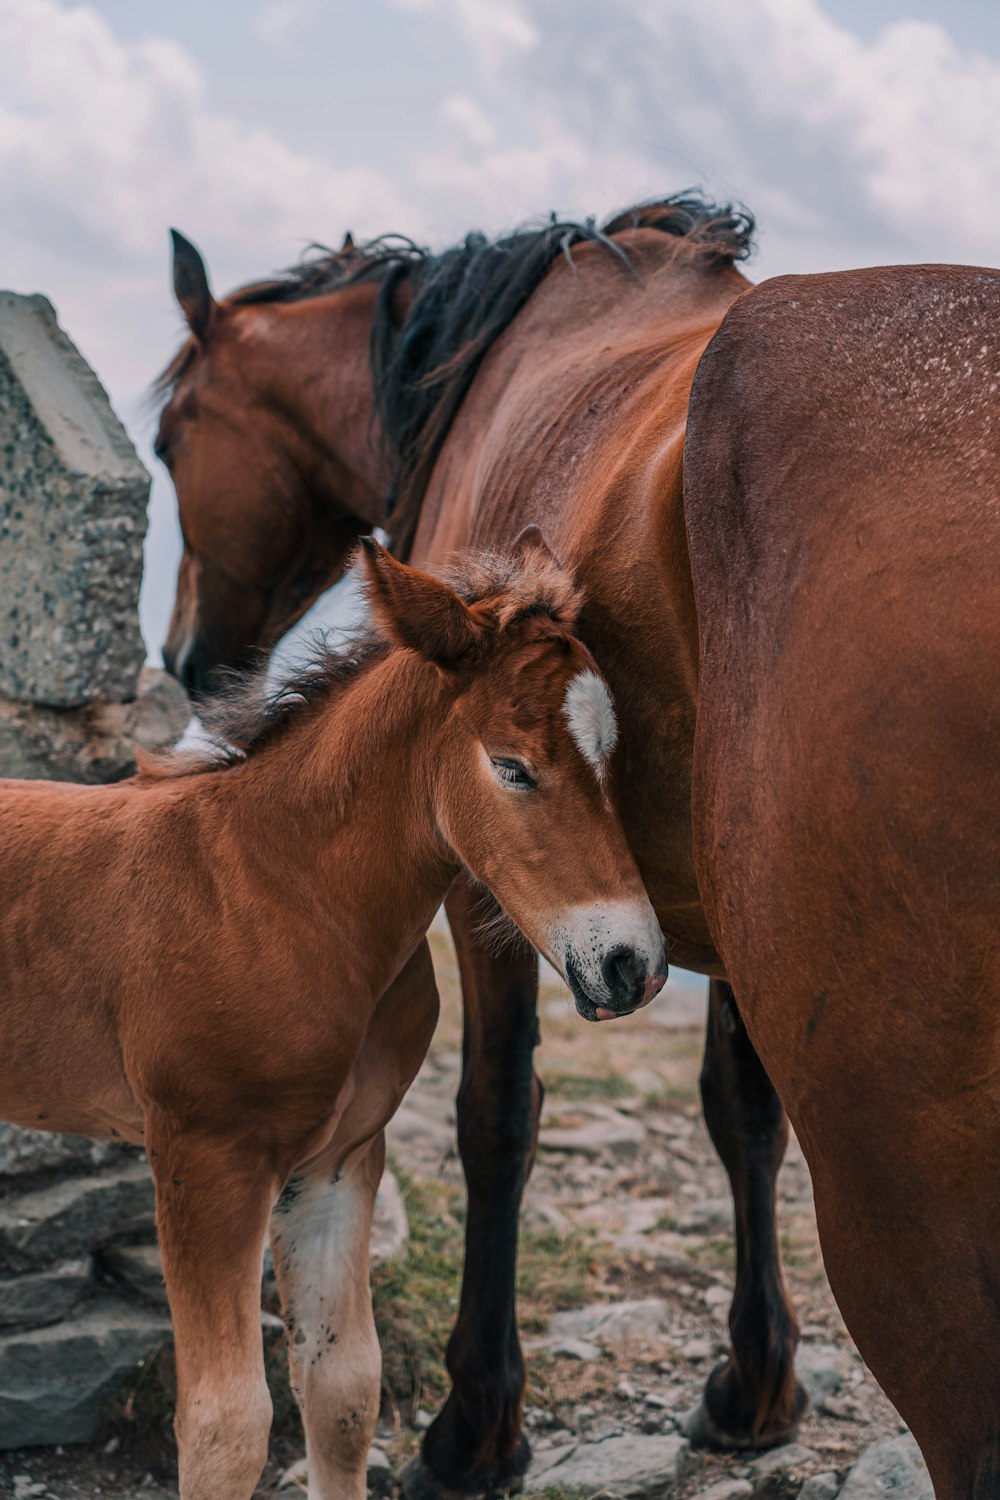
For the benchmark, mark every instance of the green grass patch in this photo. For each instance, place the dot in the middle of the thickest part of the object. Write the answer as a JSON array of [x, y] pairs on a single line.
[[416, 1298], [578, 1086]]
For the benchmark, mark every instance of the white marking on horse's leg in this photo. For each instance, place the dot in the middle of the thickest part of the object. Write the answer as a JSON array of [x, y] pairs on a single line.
[[590, 715], [320, 1233]]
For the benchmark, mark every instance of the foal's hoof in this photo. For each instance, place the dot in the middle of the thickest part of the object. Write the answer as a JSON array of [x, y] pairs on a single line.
[[417, 1482]]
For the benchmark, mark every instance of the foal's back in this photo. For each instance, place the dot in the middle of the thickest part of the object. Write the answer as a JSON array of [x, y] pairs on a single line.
[[843, 506]]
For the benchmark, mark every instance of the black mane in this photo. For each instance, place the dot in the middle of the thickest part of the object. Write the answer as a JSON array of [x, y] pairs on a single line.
[[425, 360]]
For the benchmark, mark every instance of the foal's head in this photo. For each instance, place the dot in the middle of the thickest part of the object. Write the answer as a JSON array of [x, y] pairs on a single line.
[[523, 755]]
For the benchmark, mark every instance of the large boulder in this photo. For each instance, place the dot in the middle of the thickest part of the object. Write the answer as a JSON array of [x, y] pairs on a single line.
[[72, 520]]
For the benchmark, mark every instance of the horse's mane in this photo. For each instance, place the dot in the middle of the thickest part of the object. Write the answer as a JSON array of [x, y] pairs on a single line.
[[461, 300], [250, 714]]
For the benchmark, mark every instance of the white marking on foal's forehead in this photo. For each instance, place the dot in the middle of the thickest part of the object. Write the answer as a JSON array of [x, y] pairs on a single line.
[[590, 715]]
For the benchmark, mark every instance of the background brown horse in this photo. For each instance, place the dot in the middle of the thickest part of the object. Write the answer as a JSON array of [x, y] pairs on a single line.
[[458, 397]]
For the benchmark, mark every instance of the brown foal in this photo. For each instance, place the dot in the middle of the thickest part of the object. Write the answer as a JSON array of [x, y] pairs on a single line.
[[225, 960]]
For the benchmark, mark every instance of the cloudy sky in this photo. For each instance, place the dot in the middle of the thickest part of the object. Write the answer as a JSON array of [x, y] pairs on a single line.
[[857, 130]]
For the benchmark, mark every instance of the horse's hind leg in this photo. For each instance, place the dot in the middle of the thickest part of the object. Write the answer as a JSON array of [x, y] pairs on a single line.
[[476, 1445], [752, 1398], [213, 1199], [320, 1233]]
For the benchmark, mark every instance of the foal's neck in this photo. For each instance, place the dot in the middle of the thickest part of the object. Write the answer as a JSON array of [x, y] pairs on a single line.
[[348, 795]]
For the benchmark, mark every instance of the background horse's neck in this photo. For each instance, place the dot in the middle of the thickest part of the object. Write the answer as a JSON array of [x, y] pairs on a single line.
[[321, 374]]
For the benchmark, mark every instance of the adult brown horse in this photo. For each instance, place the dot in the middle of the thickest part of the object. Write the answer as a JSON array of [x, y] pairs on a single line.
[[225, 961], [544, 376]]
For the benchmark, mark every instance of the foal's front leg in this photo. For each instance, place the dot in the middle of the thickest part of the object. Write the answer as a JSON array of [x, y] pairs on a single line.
[[213, 1198], [320, 1233]]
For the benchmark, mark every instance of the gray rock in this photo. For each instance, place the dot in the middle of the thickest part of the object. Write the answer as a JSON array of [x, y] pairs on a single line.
[[55, 1382], [893, 1467], [825, 1486], [707, 1216], [379, 1472], [42, 1297], [633, 1467], [84, 1213], [620, 1137], [727, 1489], [791, 1456], [72, 519], [390, 1226], [25, 1153], [821, 1369], [138, 1270], [96, 743], [611, 1323], [579, 1349]]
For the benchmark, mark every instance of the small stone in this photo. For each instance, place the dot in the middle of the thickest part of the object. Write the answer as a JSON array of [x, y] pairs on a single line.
[[697, 1350], [581, 1349], [707, 1216], [718, 1296], [825, 1486], [620, 1137], [296, 1476], [379, 1472], [841, 1408], [390, 1225], [625, 1389], [791, 1456], [628, 1467], [612, 1323], [36, 1298], [727, 1489], [894, 1466], [821, 1369], [422, 1420]]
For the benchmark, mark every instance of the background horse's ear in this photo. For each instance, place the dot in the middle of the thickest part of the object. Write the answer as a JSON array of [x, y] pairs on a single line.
[[191, 286], [531, 539], [419, 611], [348, 243]]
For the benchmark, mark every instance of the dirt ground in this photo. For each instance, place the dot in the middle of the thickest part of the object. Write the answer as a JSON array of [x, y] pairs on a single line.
[[627, 1201]]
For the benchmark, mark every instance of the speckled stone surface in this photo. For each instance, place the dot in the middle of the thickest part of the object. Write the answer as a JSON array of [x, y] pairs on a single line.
[[73, 499]]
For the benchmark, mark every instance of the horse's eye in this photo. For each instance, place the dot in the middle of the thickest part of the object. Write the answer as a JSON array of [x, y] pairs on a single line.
[[513, 774]]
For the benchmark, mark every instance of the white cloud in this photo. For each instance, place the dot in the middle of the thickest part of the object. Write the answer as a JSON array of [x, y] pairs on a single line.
[[890, 145], [277, 21], [469, 120]]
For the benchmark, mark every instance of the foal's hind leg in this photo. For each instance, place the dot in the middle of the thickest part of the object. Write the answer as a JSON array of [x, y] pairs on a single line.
[[320, 1233], [476, 1445], [752, 1398], [212, 1200]]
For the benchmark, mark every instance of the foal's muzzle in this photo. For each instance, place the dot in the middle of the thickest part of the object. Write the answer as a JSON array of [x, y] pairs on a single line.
[[615, 961]]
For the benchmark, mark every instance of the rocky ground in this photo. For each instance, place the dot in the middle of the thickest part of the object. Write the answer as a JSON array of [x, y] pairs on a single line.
[[626, 1281]]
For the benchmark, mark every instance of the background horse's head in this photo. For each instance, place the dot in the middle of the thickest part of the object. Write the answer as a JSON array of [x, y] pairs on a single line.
[[270, 509], [521, 767]]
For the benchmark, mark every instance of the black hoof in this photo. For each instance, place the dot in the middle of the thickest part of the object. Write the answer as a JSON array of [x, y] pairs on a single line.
[[418, 1482], [721, 1420]]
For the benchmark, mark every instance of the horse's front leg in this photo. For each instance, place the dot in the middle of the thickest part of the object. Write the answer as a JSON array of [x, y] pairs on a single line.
[[213, 1198], [476, 1445], [752, 1399]]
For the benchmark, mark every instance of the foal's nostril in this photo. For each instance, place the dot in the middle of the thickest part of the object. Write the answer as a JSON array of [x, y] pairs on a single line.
[[624, 973]]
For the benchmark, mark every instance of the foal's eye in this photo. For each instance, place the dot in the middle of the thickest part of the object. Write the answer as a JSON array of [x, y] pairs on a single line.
[[513, 773]]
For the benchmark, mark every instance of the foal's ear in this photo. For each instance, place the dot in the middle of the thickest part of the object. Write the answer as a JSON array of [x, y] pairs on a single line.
[[191, 286], [419, 611], [531, 539]]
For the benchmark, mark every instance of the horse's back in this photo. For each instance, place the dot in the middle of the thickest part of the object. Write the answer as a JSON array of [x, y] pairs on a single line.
[[842, 478]]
